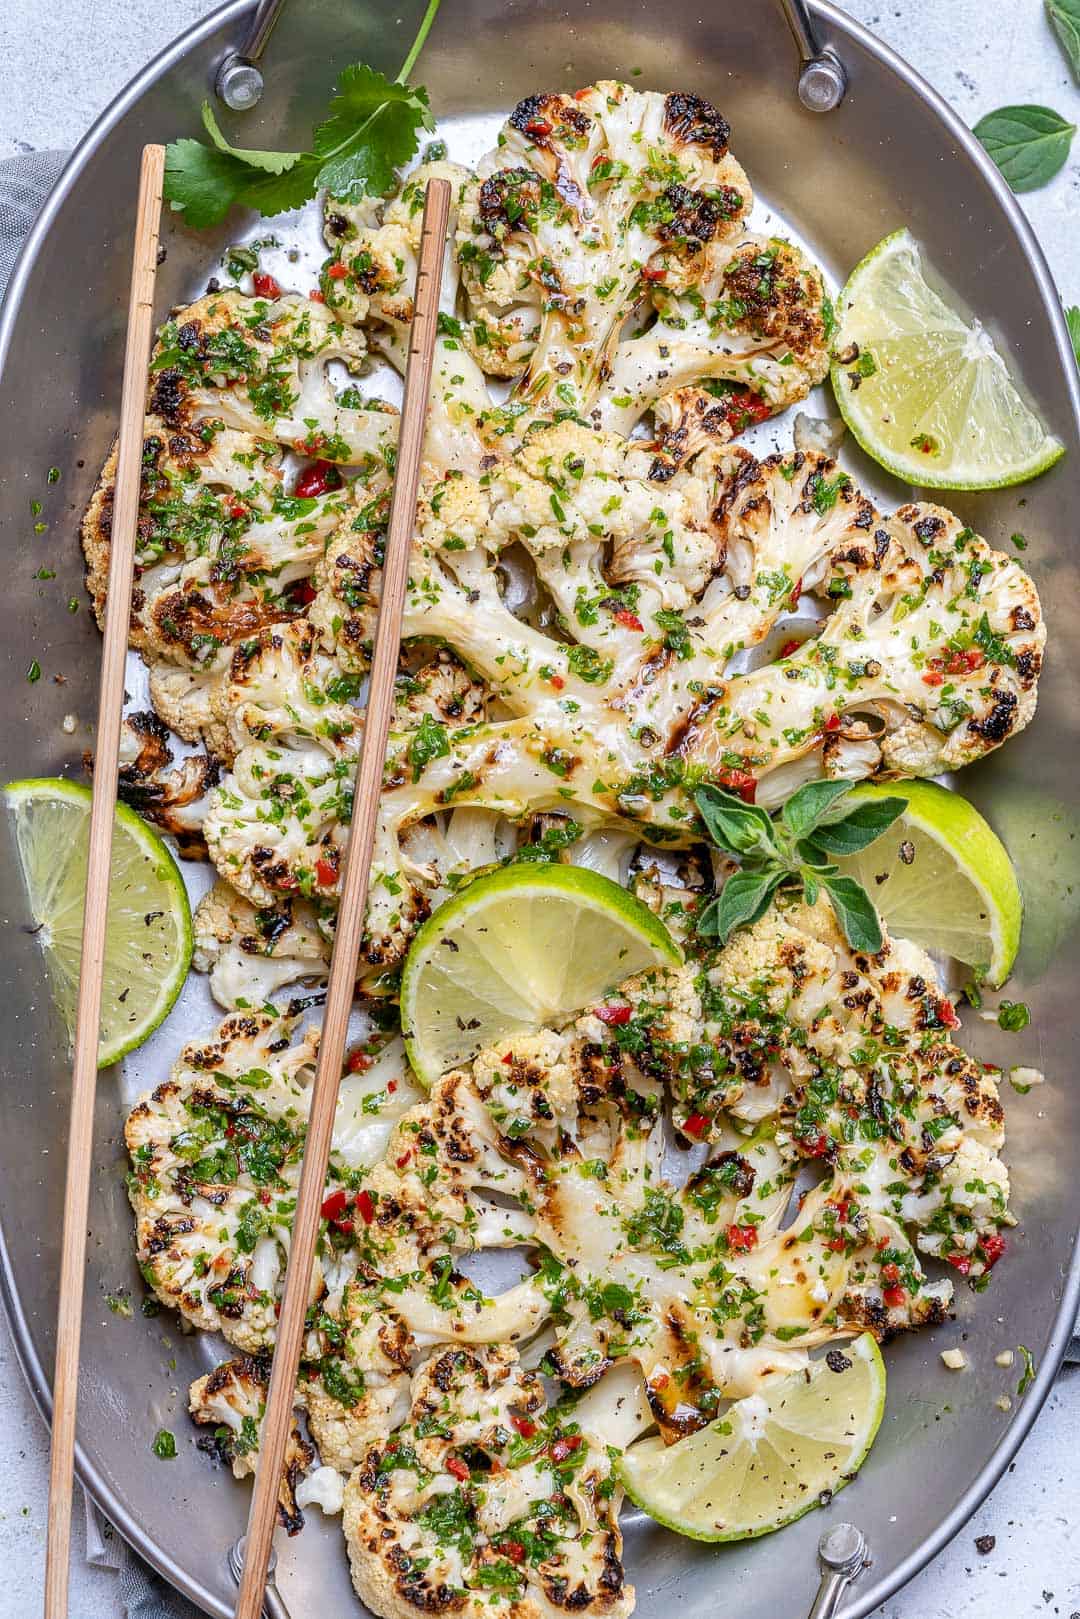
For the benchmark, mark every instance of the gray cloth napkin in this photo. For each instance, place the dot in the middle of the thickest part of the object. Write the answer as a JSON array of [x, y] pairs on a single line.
[[25, 182]]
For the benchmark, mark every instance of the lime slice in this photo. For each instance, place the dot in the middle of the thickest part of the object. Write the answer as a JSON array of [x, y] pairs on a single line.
[[770, 1457], [940, 876], [521, 949], [148, 942], [928, 395]]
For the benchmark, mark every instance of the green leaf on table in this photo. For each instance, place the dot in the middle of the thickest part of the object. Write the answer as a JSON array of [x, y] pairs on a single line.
[[742, 901], [733, 825], [1064, 18], [372, 128], [1072, 320], [1029, 144], [867, 821], [855, 913], [203, 182]]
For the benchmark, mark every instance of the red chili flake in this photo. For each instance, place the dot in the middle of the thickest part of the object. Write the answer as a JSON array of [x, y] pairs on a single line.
[[538, 126], [742, 1238], [992, 1248], [947, 1014], [302, 592], [338, 271], [614, 1016], [964, 663], [789, 647], [524, 1425], [391, 1086], [509, 1059], [457, 1468], [627, 619], [739, 781], [325, 873], [366, 1205], [558, 682], [562, 1448], [230, 1131], [816, 1146], [265, 285], [316, 296], [335, 1205], [933, 677], [696, 1125], [960, 1262], [796, 592], [660, 1380], [890, 1274], [345, 1227], [264, 1198], [833, 722], [513, 1549], [842, 1208], [579, 95], [358, 1062], [894, 1297], [882, 1242], [742, 406], [237, 510], [403, 1160], [317, 480], [836, 1244], [653, 272]]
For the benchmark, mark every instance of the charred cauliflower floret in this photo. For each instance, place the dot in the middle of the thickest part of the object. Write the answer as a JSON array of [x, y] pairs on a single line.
[[252, 951], [484, 1501], [231, 1399]]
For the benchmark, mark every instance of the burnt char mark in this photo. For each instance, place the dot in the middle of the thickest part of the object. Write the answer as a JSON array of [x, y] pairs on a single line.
[[168, 395], [530, 115], [695, 216], [1028, 665], [927, 529], [1000, 720], [695, 122], [749, 472], [1021, 619], [517, 187]]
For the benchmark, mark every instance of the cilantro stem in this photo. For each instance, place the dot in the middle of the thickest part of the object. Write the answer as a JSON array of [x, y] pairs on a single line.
[[418, 43]]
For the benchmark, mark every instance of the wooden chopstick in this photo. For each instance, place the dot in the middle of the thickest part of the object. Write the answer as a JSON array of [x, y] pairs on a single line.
[[106, 765], [351, 911]]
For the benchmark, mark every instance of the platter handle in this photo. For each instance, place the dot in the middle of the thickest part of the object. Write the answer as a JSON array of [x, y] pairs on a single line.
[[822, 80], [238, 82]]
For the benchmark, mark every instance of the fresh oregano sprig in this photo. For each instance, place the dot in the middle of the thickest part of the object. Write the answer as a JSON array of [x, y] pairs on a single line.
[[795, 849]]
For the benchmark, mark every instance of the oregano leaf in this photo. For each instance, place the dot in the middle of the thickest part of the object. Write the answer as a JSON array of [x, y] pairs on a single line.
[[855, 913], [733, 825], [810, 804], [1064, 18], [1028, 143], [866, 823], [743, 900]]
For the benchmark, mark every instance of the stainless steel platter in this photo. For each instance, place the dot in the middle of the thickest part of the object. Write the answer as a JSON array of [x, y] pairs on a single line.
[[892, 154]]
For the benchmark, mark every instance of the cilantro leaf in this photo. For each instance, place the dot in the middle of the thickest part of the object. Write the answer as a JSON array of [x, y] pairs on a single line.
[[371, 130]]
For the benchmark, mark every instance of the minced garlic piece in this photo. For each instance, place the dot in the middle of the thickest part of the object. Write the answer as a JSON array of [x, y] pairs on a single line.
[[1006, 1358], [955, 1359]]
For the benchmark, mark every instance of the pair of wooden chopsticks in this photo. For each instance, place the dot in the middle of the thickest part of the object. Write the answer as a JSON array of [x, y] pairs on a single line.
[[351, 912]]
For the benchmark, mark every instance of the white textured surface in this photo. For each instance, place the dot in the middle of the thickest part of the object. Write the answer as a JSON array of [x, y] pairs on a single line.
[[63, 61]]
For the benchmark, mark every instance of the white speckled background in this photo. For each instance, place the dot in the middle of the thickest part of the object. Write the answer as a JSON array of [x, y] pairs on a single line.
[[61, 61]]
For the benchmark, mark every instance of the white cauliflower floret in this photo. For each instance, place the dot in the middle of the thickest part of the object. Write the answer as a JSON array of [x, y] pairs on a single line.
[[251, 952], [416, 1523]]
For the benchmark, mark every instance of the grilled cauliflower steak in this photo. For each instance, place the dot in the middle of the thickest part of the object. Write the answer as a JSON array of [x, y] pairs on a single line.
[[485, 1502]]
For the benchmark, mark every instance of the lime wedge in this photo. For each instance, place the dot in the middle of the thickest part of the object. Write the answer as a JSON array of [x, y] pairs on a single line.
[[148, 943], [923, 389], [770, 1457], [521, 949], [940, 876]]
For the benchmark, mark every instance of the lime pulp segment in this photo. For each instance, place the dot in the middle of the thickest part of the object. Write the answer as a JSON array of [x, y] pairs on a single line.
[[521, 949], [923, 389], [149, 938]]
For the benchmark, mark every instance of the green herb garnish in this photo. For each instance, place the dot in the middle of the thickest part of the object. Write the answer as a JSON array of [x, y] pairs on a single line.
[[371, 128], [793, 851]]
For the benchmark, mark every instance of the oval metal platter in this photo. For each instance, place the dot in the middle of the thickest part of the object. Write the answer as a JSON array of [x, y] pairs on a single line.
[[893, 154]]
